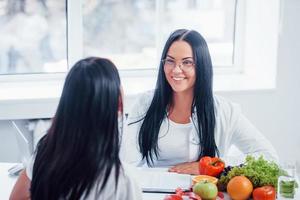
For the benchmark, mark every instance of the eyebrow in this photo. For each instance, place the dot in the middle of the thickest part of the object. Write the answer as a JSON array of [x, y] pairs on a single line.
[[181, 59]]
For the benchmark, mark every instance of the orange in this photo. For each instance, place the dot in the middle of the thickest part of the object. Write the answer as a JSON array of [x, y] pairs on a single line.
[[199, 178], [239, 188]]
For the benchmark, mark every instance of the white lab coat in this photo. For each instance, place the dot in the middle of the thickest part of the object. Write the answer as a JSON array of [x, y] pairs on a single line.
[[127, 187], [231, 128]]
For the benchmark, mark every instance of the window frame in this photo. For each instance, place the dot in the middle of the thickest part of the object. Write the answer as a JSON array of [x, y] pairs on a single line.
[[74, 40], [36, 95]]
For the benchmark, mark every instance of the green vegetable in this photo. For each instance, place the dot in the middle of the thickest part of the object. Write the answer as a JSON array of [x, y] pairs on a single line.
[[287, 188], [259, 171]]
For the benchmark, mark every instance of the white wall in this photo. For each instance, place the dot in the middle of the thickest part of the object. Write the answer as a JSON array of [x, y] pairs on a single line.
[[275, 113], [9, 151]]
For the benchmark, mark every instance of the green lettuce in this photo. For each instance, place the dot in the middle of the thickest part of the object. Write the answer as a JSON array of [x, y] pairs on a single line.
[[258, 170]]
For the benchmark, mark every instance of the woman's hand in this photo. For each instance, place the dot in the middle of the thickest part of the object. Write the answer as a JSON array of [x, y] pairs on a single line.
[[186, 168]]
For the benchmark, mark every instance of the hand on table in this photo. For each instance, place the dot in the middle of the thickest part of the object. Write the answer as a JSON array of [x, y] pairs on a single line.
[[186, 168]]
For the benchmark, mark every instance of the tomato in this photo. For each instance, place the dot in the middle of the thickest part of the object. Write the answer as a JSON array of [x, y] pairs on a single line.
[[264, 193]]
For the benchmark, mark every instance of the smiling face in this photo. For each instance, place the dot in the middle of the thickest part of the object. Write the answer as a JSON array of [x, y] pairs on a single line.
[[181, 75]]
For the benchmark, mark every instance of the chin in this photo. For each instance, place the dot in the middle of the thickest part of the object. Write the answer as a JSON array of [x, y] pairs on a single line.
[[179, 89]]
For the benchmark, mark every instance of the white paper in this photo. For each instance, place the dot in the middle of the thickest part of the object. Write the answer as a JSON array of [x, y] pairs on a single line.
[[160, 180]]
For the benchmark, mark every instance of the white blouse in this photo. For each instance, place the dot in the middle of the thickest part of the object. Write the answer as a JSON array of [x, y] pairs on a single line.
[[127, 187], [173, 136], [181, 143]]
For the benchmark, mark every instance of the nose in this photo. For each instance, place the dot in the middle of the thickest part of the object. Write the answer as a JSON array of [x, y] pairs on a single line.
[[177, 68]]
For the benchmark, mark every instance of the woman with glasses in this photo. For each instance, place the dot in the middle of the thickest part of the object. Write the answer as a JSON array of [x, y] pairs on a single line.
[[182, 120], [79, 156]]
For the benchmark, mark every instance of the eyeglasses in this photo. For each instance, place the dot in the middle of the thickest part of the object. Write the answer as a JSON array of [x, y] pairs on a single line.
[[185, 65]]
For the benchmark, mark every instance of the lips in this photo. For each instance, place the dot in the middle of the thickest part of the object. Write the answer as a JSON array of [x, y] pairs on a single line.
[[178, 78]]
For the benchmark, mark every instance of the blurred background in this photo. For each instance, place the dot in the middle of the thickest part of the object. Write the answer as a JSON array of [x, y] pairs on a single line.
[[123, 30], [41, 39]]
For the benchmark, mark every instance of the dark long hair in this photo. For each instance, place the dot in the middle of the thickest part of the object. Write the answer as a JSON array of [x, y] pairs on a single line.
[[82, 143], [203, 101]]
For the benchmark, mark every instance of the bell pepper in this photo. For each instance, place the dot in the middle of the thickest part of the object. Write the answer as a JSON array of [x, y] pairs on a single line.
[[211, 166]]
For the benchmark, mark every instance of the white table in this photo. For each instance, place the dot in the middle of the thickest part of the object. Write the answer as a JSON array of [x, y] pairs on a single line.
[[7, 182]]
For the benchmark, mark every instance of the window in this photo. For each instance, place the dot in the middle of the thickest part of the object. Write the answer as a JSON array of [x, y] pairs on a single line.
[[33, 36], [242, 36], [132, 33]]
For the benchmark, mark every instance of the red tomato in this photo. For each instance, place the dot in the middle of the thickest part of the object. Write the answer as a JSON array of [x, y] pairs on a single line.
[[264, 193]]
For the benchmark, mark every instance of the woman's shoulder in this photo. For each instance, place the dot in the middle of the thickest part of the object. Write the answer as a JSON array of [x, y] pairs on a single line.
[[225, 108], [127, 171], [221, 103], [126, 186], [130, 188]]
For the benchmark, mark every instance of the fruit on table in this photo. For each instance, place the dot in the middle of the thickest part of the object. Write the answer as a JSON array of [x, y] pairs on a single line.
[[206, 190], [264, 193], [239, 188], [211, 166], [199, 178]]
